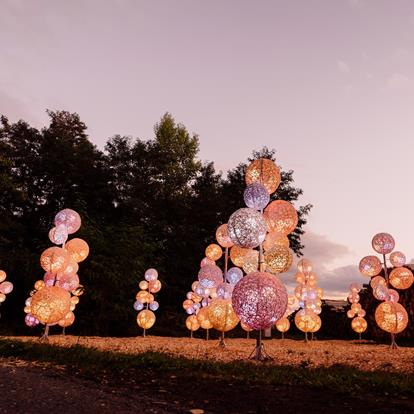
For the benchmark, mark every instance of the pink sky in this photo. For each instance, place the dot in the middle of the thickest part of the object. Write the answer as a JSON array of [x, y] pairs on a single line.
[[328, 84]]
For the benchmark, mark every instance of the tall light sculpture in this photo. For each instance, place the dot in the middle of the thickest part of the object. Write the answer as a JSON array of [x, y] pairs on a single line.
[[356, 313], [6, 287], [390, 315]]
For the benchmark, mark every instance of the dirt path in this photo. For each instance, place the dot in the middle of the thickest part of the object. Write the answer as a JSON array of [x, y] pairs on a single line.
[[36, 388]]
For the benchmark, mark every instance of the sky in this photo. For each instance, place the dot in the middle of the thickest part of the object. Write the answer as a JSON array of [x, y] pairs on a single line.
[[329, 84]]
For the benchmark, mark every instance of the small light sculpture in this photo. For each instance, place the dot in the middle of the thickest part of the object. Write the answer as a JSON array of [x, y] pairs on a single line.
[[6, 287], [356, 313]]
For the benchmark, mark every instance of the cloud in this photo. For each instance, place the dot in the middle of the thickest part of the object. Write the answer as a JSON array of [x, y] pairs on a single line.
[[399, 81], [343, 66]]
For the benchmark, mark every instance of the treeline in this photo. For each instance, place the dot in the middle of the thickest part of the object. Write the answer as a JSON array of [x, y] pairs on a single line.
[[144, 203]]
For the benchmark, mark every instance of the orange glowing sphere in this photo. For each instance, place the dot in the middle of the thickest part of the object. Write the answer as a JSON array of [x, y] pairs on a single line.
[[251, 261], [275, 238], [67, 320], [370, 266], [54, 259], [281, 216], [221, 315], [305, 266], [78, 249], [237, 255], [283, 325], [265, 172], [154, 286], [203, 320], [391, 317], [278, 259], [192, 323], [359, 324], [187, 304], [401, 278], [3, 276], [397, 259], [143, 285], [213, 252], [142, 296], [39, 284], [306, 320], [146, 319], [222, 236]]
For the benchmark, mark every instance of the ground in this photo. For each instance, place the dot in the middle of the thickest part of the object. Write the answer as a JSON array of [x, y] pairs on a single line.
[[148, 375]]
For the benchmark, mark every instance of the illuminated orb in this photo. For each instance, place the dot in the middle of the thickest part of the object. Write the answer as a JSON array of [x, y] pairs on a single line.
[[39, 284], [350, 313], [74, 300], [283, 325], [281, 216], [278, 259], [247, 228], [383, 243], [300, 278], [54, 259], [67, 282], [58, 234], [401, 278], [222, 236], [50, 304], [305, 266], [143, 296], [353, 298], [397, 259], [393, 295], [263, 171], [256, 196], [3, 298], [206, 261], [275, 238], [377, 280], [370, 266], [3, 275], [259, 300], [306, 320], [6, 287], [210, 276], [192, 323], [359, 324], [70, 219], [188, 303], [71, 268], [154, 305], [221, 315], [143, 285], [79, 291], [251, 261], [146, 319], [31, 321], [67, 320], [213, 252], [356, 307], [78, 249], [224, 290], [203, 320], [355, 287], [150, 274], [237, 255], [380, 292], [317, 325], [233, 275], [154, 286], [391, 317]]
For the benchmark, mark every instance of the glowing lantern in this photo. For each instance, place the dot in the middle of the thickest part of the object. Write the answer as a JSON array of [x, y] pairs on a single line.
[[397, 259], [222, 236], [383, 243], [203, 320], [391, 317], [259, 300], [370, 266], [281, 216], [50, 304], [401, 278], [265, 172], [145, 319], [256, 196], [54, 259], [78, 249], [359, 324], [192, 323], [70, 219], [283, 325], [278, 259], [222, 315], [214, 252]]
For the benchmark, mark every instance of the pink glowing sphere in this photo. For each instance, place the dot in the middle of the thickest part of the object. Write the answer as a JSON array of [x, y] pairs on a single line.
[[224, 290], [397, 259], [151, 274], [233, 275], [6, 287], [259, 300], [222, 236], [256, 196], [58, 234], [68, 282], [70, 219], [281, 216], [370, 266], [30, 320], [206, 261], [210, 276], [383, 243]]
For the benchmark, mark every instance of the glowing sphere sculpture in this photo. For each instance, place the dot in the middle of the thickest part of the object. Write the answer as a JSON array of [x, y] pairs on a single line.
[[275, 238], [397, 259], [370, 266], [202, 318], [247, 228], [256, 196], [146, 319], [192, 323], [278, 259], [401, 278], [78, 249], [283, 325], [54, 259], [237, 255], [221, 315], [281, 216], [70, 219], [383, 243], [233, 275], [213, 252], [259, 300], [263, 171], [391, 317], [50, 304], [359, 324], [210, 276], [222, 236]]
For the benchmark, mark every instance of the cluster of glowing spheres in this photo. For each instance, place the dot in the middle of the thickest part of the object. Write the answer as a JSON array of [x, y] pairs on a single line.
[[237, 255], [281, 216], [54, 259], [78, 249], [274, 238], [213, 252], [397, 259], [401, 278], [146, 319], [70, 219], [278, 259], [283, 325], [221, 315], [50, 304], [58, 234], [259, 300], [247, 228], [151, 274], [391, 317], [370, 266], [222, 236], [305, 266], [203, 319], [256, 196], [192, 323], [210, 276], [359, 324], [383, 243], [307, 321], [233, 275], [265, 172]]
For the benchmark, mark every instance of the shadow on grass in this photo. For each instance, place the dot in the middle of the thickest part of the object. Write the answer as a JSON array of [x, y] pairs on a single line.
[[90, 361]]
